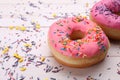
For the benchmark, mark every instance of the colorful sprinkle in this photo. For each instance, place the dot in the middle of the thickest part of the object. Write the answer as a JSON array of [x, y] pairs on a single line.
[[42, 58], [37, 26], [5, 50], [21, 60], [22, 68], [54, 15], [17, 27], [87, 4], [27, 45], [22, 28], [11, 27]]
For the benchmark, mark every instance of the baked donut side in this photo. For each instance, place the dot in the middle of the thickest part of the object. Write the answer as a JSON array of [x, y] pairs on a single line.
[[112, 33], [106, 14], [77, 42], [77, 62]]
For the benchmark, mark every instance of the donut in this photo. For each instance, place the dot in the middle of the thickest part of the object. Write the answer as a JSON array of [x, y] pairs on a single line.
[[77, 42], [106, 14]]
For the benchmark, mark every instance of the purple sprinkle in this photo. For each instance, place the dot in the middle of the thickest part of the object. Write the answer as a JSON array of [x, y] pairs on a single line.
[[48, 68], [38, 78], [108, 68], [39, 2], [38, 63], [33, 43], [15, 64], [100, 74], [74, 78], [22, 77], [52, 78], [118, 72], [7, 57], [32, 5], [23, 18]]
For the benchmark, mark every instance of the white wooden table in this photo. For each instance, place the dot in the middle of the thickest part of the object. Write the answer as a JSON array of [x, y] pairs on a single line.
[[31, 42]]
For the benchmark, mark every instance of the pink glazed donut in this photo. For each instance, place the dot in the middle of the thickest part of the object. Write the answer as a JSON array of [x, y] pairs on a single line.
[[106, 14], [77, 42]]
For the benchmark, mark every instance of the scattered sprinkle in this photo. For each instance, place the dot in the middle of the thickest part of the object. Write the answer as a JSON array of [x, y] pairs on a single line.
[[17, 27], [11, 27], [22, 28], [37, 26], [52, 78], [16, 55], [118, 71], [42, 58], [100, 74], [22, 68], [27, 45], [54, 15], [87, 4], [5, 50], [21, 60]]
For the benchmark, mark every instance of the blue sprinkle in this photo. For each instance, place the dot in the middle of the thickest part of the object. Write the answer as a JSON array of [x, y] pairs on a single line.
[[78, 49], [103, 48], [61, 32], [63, 49]]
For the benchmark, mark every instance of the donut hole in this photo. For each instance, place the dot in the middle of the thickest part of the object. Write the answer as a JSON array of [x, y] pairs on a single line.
[[118, 13], [76, 34]]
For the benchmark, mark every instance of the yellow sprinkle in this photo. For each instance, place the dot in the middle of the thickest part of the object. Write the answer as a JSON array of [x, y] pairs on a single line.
[[22, 28], [87, 4], [54, 15], [16, 55], [27, 45], [17, 27], [42, 58], [46, 79], [20, 60], [38, 26], [5, 50], [23, 69], [11, 27], [85, 17]]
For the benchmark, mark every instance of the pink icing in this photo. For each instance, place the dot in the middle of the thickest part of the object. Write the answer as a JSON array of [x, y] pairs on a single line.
[[113, 5], [94, 41], [104, 12]]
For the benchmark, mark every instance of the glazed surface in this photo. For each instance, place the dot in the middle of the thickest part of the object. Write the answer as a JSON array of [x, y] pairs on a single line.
[[93, 42], [106, 12]]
